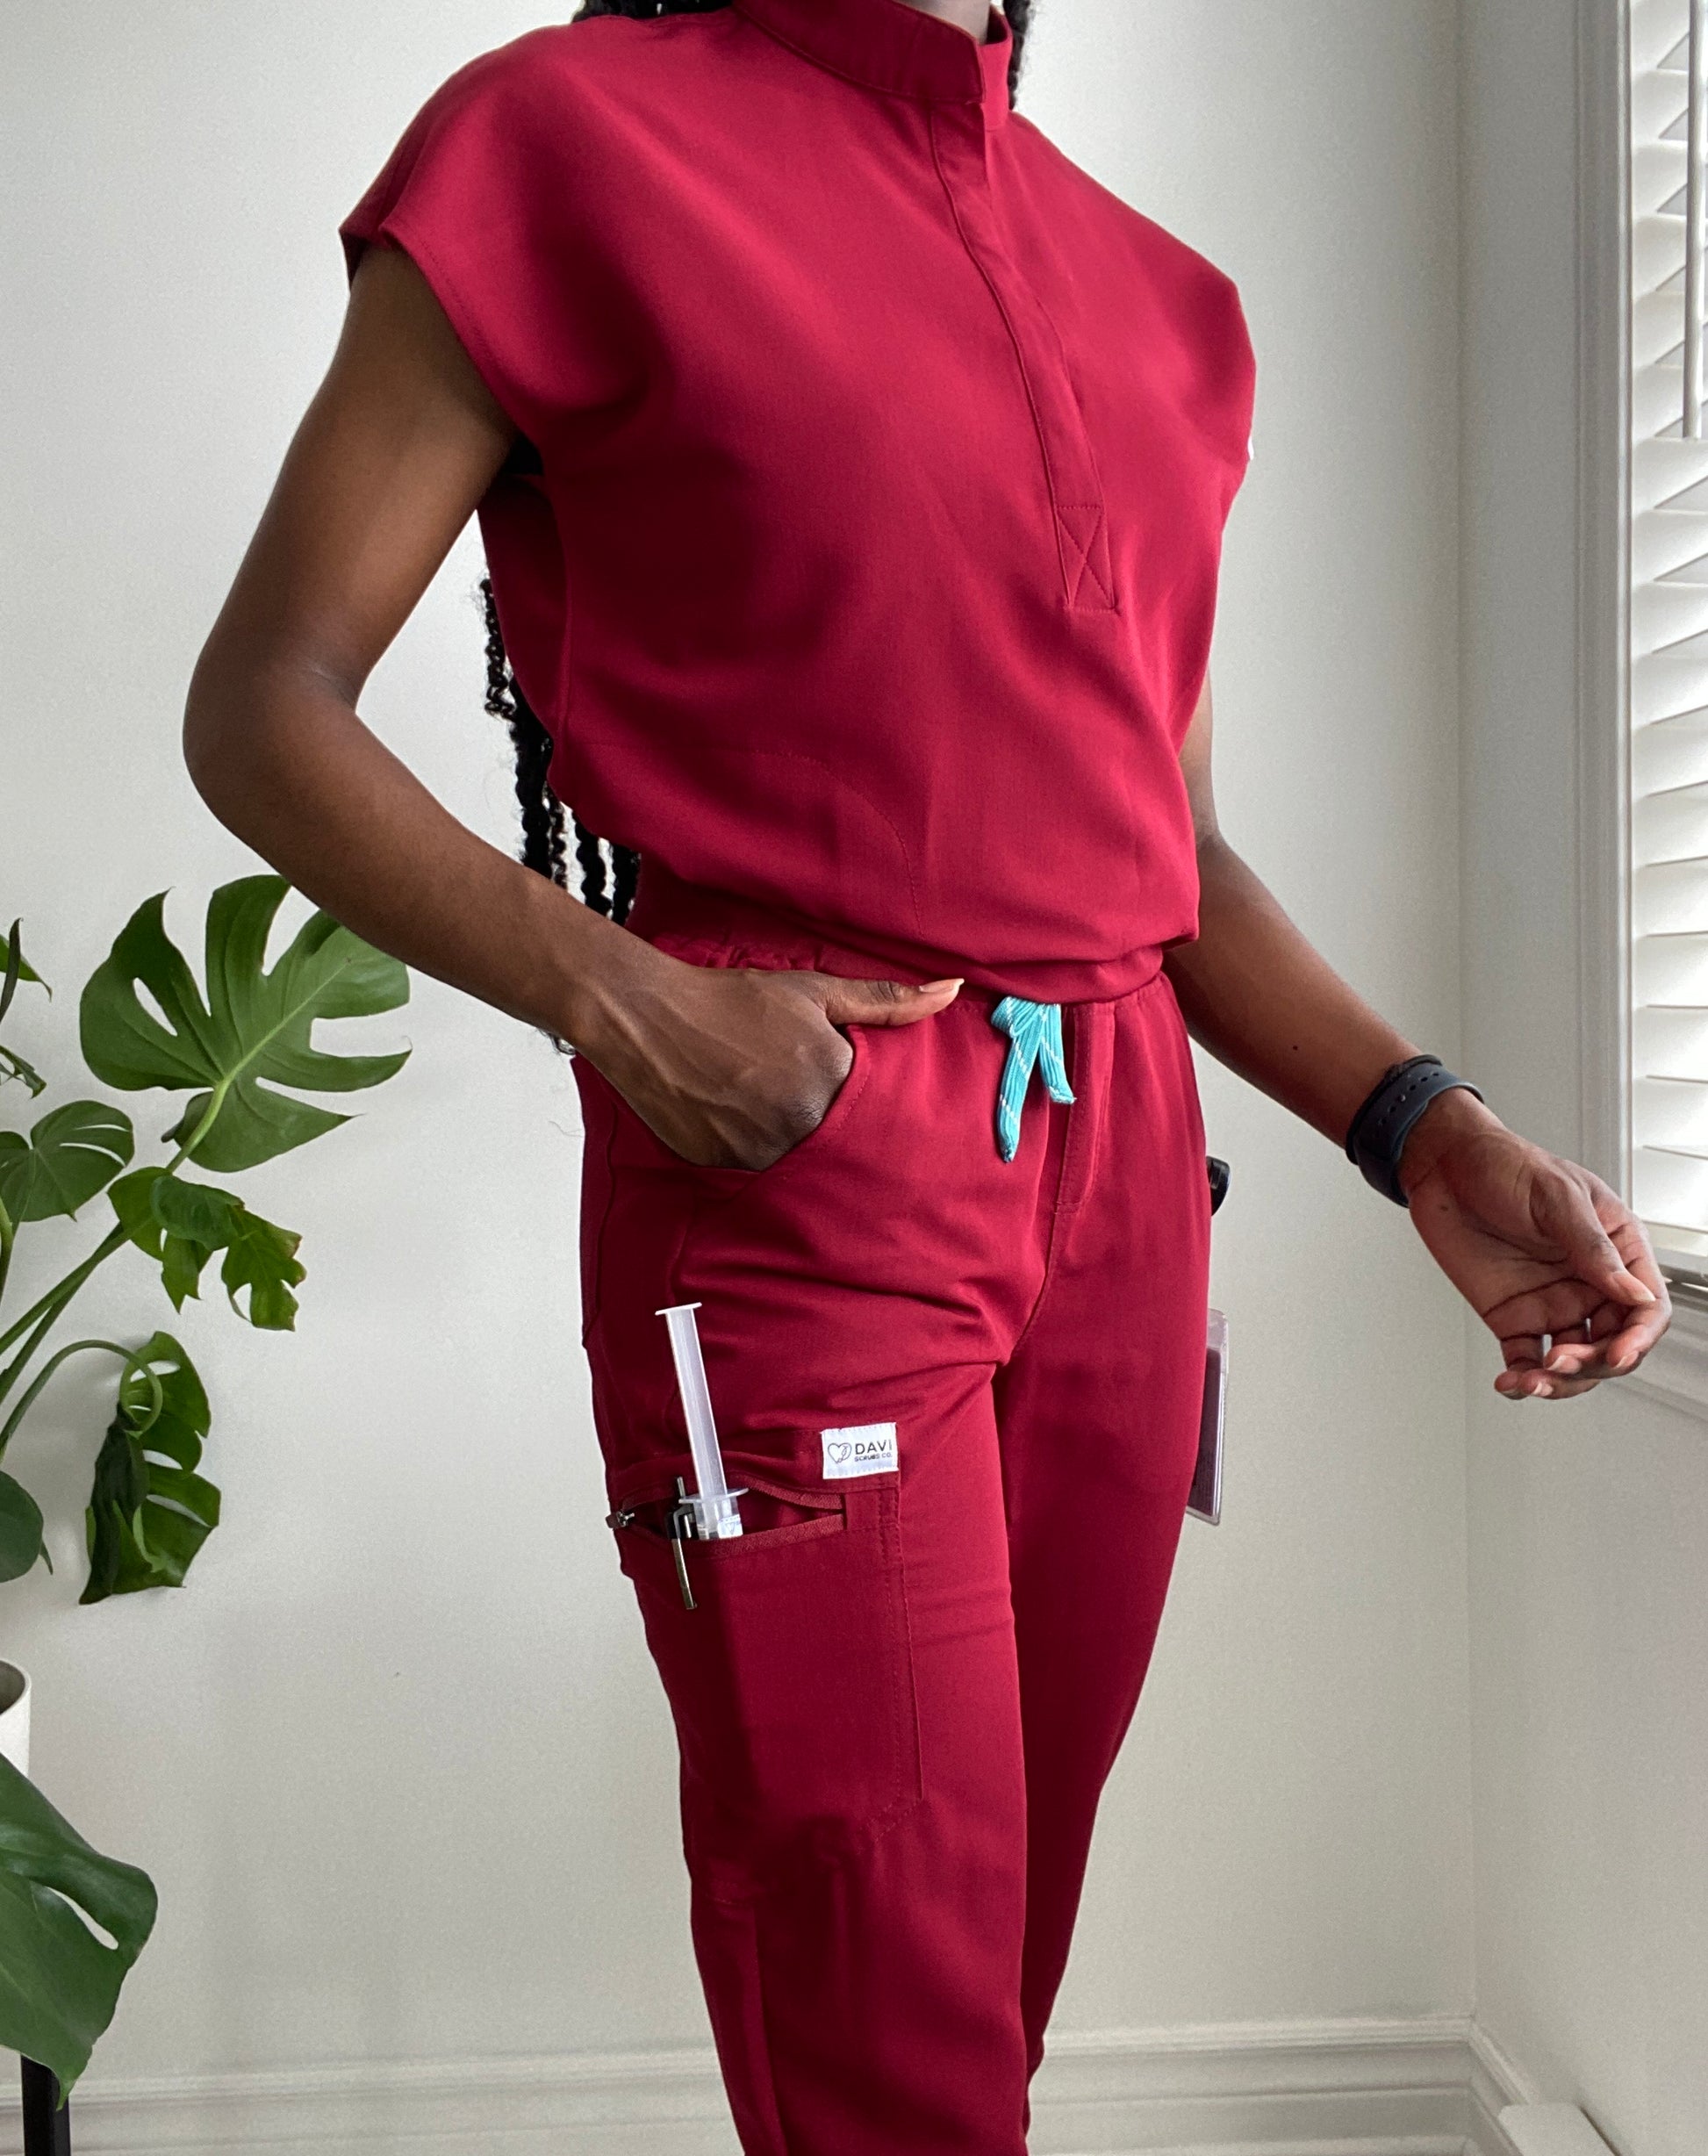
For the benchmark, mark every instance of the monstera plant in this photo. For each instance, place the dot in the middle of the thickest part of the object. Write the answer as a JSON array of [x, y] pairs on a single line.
[[72, 1921]]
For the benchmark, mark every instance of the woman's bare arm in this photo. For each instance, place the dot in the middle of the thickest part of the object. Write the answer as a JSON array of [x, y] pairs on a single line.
[[1538, 1246], [395, 449], [400, 444], [1257, 995]]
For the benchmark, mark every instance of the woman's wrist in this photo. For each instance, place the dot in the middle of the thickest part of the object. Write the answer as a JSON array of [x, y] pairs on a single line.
[[1450, 1119], [616, 979]]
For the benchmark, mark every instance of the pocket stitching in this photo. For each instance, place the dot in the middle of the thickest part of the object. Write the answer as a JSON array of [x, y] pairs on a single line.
[[748, 1548], [835, 1119], [909, 1758], [751, 1872], [718, 1183], [634, 1485], [595, 1269]]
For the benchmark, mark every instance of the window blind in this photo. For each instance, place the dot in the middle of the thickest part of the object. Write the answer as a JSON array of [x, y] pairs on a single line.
[[1668, 629]]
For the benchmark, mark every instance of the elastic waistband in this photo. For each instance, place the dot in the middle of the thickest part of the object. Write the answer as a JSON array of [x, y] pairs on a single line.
[[686, 919]]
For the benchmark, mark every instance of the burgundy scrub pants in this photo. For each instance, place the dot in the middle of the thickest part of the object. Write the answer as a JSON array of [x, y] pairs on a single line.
[[900, 1692]]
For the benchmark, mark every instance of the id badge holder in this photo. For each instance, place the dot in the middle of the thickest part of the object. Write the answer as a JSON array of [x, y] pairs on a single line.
[[1204, 1501]]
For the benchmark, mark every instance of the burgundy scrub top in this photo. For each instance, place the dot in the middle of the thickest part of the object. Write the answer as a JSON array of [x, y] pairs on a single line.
[[884, 457]]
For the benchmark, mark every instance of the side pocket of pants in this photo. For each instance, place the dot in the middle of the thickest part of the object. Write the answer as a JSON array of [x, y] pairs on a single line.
[[791, 1683]]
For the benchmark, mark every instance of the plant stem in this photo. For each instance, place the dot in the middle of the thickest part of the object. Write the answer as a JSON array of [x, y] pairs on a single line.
[[127, 1356], [44, 1313], [15, 1369], [8, 1236], [61, 1293]]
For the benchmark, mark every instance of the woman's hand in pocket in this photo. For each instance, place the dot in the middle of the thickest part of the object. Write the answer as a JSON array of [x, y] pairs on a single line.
[[732, 1068]]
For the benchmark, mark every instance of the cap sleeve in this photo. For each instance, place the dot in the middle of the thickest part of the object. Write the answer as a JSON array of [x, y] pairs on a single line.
[[473, 195], [1230, 381]]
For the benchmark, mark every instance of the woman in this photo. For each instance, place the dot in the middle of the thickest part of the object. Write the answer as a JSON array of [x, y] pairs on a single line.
[[852, 470]]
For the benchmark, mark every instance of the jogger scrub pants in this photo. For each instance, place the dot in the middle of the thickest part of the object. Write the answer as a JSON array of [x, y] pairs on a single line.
[[962, 1396]]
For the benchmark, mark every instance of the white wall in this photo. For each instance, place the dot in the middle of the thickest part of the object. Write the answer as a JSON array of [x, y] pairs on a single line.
[[396, 1758], [1589, 1524]]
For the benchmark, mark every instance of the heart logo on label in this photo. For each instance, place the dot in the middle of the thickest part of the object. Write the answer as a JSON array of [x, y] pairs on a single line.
[[839, 1452]]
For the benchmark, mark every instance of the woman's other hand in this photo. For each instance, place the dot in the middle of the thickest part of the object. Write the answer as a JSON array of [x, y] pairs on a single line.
[[1554, 1263], [732, 1068]]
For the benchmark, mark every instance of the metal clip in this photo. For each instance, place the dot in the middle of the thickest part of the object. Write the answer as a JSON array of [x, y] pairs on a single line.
[[682, 1520]]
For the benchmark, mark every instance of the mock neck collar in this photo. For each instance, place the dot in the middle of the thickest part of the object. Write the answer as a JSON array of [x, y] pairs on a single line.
[[888, 45]]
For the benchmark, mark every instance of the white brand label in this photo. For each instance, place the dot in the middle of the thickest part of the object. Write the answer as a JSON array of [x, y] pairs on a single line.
[[868, 1451]]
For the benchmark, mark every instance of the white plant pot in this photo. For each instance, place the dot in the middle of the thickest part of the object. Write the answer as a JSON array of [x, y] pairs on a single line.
[[14, 1716]]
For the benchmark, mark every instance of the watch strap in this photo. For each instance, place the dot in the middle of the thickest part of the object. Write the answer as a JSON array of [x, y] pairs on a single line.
[[1380, 1129]]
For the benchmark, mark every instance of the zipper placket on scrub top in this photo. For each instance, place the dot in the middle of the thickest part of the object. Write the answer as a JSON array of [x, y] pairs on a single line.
[[959, 144]]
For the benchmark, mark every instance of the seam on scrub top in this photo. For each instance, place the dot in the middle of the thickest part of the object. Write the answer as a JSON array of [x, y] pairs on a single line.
[[1106, 592], [1014, 340], [1069, 584], [801, 756]]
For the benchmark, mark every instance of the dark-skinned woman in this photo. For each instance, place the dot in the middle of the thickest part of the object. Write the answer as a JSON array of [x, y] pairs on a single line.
[[852, 469]]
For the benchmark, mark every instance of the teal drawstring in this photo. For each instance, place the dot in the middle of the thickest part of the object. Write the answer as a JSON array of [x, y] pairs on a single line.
[[1034, 1032]]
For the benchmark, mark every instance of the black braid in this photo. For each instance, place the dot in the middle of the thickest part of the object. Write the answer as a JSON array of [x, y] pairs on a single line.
[[644, 11], [625, 880], [1019, 13], [590, 855], [542, 813]]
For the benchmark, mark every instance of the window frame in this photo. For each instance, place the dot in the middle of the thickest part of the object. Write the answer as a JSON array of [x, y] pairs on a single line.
[[1677, 1370]]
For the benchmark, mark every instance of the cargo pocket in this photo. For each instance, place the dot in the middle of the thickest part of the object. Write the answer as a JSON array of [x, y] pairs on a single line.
[[790, 1680]]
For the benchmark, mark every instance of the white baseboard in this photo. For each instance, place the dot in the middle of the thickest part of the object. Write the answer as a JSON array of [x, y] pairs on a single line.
[[1391, 2087], [1425, 2087], [1496, 2081]]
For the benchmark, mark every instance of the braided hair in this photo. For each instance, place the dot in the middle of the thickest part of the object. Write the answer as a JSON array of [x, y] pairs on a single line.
[[607, 890], [542, 813]]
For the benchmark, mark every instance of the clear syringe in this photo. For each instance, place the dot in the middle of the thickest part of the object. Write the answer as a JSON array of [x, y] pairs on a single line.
[[716, 1515]]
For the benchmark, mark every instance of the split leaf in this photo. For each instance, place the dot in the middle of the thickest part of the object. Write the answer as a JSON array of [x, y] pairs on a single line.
[[149, 1511], [181, 1224], [253, 1027], [59, 1975]]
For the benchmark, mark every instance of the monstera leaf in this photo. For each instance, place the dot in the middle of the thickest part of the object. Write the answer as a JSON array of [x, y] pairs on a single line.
[[21, 1542], [253, 1033], [15, 968], [182, 1223], [149, 1511], [70, 1154], [13, 1065], [60, 1977]]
